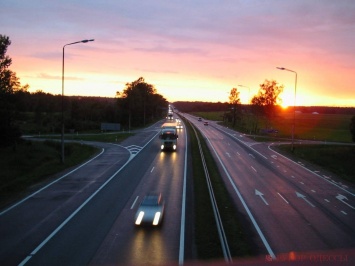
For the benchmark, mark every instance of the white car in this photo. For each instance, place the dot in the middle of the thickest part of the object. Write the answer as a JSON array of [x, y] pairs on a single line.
[[150, 211]]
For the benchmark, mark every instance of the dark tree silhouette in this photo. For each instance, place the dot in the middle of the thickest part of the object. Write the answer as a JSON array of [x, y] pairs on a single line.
[[352, 128], [139, 103], [9, 83]]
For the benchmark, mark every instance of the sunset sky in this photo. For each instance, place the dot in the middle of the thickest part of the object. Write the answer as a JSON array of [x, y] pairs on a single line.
[[195, 50]]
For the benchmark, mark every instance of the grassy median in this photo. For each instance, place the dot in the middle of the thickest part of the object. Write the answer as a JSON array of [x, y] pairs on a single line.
[[206, 235]]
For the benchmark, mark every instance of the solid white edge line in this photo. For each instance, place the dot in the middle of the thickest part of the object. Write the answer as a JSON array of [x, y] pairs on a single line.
[[243, 142], [261, 235], [55, 181], [183, 209], [269, 146], [77, 210]]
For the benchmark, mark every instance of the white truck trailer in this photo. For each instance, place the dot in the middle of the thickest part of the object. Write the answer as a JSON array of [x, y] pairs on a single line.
[[168, 136]]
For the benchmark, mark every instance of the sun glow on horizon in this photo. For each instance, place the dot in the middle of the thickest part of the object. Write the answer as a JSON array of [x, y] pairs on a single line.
[[286, 100]]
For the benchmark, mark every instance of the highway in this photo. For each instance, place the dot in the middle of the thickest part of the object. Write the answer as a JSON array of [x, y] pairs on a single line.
[[86, 216], [292, 208]]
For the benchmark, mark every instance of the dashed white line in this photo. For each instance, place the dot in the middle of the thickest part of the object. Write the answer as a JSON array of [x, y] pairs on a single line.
[[282, 197], [134, 203]]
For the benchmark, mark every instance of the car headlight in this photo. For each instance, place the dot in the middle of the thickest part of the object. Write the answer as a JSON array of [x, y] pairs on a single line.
[[174, 147], [156, 218], [139, 218], [162, 147]]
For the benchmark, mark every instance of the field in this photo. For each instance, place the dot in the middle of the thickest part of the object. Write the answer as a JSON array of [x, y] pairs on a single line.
[[322, 127], [101, 137], [326, 128]]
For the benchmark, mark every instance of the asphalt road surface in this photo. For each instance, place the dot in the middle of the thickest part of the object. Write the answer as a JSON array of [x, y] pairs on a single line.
[[293, 208], [87, 215]]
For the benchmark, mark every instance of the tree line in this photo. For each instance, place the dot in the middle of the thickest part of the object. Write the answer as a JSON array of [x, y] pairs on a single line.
[[264, 106], [137, 105], [39, 113]]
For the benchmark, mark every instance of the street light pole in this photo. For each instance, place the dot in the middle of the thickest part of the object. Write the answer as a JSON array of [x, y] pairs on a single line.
[[62, 137], [294, 104]]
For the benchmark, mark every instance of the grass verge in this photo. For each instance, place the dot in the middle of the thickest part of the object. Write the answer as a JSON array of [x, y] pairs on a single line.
[[34, 161], [206, 236], [101, 137], [337, 159]]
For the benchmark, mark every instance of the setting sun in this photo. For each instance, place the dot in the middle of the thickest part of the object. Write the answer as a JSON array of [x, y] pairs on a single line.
[[286, 99]]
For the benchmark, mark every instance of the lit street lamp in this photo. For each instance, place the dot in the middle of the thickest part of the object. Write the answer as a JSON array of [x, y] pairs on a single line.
[[294, 104], [83, 41]]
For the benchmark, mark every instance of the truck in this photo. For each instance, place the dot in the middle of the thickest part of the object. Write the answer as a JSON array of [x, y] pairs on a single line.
[[170, 116], [168, 137]]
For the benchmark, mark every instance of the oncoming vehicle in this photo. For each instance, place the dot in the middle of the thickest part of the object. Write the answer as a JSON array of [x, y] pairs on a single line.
[[168, 136], [205, 123], [150, 211]]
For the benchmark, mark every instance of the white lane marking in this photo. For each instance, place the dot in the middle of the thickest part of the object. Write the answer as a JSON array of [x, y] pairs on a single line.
[[55, 181], [134, 203], [344, 212], [324, 177], [77, 210], [152, 169], [342, 198], [183, 210], [243, 142], [299, 195], [256, 226], [261, 195], [253, 169], [282, 197]]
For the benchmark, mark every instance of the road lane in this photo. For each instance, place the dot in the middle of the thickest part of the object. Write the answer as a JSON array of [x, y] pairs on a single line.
[[126, 244], [27, 225], [109, 214], [78, 240], [287, 201]]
